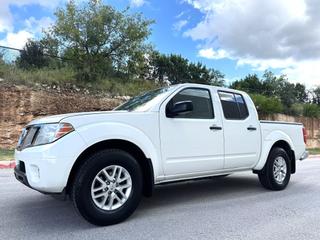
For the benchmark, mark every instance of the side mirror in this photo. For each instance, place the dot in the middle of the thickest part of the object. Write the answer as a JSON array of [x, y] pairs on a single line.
[[179, 108]]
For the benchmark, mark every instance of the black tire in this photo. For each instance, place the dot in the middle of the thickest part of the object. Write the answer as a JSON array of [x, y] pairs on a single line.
[[266, 176], [81, 189]]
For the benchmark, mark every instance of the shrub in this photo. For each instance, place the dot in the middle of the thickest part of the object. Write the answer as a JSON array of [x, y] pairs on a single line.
[[267, 105], [296, 109], [66, 77], [311, 110]]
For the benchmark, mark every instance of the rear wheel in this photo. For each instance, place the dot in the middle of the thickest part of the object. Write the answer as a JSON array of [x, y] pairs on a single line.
[[277, 171], [107, 188]]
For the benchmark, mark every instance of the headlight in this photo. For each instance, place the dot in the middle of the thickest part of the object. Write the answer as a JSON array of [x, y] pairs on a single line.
[[43, 134], [49, 133]]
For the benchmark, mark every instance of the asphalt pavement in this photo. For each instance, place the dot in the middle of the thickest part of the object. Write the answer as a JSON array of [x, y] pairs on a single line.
[[235, 207]]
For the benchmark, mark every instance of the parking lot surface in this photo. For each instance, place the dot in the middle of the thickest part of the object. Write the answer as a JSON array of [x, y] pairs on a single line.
[[235, 207]]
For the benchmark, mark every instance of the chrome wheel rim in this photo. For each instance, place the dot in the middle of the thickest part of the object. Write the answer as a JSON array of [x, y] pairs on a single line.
[[279, 169], [111, 187]]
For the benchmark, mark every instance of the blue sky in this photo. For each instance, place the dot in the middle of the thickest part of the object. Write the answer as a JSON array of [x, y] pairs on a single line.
[[237, 37]]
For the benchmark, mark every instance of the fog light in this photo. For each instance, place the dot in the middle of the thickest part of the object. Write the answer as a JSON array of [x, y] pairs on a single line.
[[35, 173]]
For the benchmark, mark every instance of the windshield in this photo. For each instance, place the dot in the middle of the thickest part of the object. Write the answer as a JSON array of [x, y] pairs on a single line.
[[144, 101]]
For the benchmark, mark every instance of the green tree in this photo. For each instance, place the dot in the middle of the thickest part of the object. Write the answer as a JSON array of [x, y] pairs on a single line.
[[272, 84], [280, 87], [251, 83], [99, 39], [199, 73], [292, 95], [266, 105], [216, 78], [32, 56], [159, 65], [177, 69], [301, 93], [287, 94], [2, 64], [316, 95]]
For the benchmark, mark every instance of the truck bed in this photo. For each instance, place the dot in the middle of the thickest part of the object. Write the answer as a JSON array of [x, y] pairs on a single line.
[[293, 130]]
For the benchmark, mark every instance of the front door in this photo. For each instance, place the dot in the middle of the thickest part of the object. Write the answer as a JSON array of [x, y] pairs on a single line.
[[192, 142]]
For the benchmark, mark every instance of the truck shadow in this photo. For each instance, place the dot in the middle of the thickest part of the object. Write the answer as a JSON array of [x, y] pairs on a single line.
[[210, 189]]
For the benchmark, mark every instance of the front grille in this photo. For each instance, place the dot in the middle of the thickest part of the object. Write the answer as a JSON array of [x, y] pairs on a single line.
[[27, 137]]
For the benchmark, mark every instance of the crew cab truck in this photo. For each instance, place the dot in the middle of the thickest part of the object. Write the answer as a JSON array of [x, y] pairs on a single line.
[[105, 161]]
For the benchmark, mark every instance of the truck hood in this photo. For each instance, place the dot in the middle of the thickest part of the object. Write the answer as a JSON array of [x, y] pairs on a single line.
[[61, 117]]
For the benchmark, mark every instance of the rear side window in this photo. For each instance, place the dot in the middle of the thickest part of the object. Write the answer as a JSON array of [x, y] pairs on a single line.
[[201, 100], [233, 105]]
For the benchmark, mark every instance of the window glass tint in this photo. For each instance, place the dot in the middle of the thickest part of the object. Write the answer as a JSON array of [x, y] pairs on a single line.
[[233, 106], [144, 101], [229, 105], [201, 100], [242, 106]]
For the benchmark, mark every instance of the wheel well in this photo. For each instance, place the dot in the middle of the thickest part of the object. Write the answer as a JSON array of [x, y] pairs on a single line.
[[144, 162], [284, 145]]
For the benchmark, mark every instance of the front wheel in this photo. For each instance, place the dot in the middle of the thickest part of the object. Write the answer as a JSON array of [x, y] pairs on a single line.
[[277, 171], [108, 187]]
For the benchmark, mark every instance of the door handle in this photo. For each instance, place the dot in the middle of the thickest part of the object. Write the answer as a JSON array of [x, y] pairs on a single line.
[[215, 127], [250, 128]]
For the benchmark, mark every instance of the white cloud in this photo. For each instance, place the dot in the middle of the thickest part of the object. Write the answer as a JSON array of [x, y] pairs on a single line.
[[305, 71], [179, 25], [278, 34], [210, 53], [6, 18], [38, 25], [137, 3], [181, 14], [16, 40], [32, 26]]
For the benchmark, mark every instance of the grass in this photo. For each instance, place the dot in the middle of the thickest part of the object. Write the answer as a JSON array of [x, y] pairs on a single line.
[[6, 154], [314, 151], [66, 78]]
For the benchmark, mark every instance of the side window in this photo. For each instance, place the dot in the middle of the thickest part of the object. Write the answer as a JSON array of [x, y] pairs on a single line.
[[201, 100], [229, 105], [242, 106], [233, 105]]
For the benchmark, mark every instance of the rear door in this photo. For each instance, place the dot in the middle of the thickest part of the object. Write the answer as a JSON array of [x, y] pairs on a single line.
[[192, 143], [241, 131]]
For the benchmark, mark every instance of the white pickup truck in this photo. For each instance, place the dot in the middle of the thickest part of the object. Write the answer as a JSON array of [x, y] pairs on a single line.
[[105, 161]]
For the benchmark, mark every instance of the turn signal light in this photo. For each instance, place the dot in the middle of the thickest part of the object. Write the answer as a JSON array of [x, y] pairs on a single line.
[[64, 128], [304, 131]]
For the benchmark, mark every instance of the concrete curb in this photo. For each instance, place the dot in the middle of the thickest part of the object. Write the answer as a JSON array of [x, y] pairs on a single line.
[[314, 156], [7, 164]]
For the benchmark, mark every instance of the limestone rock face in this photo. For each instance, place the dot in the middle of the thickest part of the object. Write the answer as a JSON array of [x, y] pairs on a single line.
[[20, 104]]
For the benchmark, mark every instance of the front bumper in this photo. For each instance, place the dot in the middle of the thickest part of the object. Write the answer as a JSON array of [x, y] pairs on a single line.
[[46, 168], [304, 156], [21, 176]]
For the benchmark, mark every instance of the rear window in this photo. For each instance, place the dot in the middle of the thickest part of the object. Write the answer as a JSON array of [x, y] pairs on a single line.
[[233, 105]]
